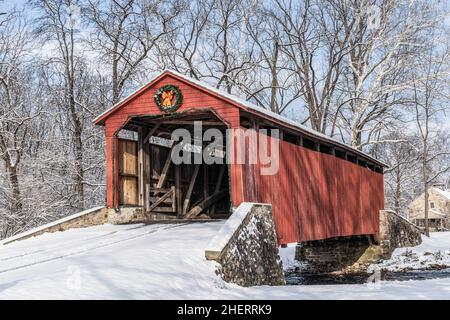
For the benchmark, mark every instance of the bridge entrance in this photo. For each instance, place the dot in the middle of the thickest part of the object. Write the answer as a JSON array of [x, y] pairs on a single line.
[[151, 177]]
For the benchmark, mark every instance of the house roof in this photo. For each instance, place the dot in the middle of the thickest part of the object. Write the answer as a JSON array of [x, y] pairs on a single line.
[[438, 213], [444, 193], [432, 214], [419, 200], [239, 102]]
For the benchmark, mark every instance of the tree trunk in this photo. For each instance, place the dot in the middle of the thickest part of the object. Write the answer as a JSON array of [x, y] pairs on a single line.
[[16, 206], [425, 181], [79, 178], [115, 78], [78, 147], [355, 138], [274, 84], [398, 185]]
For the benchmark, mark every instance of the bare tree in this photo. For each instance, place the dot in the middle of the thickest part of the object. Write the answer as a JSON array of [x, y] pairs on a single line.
[[430, 100], [403, 172], [314, 42], [126, 31], [17, 111], [57, 27], [183, 49], [275, 86], [228, 55], [384, 40]]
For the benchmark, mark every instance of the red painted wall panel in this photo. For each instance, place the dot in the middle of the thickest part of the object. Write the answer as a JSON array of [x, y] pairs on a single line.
[[192, 98], [316, 196]]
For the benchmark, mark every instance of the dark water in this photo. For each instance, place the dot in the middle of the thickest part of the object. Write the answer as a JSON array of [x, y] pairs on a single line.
[[293, 278]]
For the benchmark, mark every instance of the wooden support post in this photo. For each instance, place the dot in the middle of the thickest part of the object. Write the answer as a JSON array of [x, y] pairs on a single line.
[[147, 174], [218, 185], [174, 200], [205, 181], [147, 164], [178, 191], [141, 177], [147, 197], [156, 165], [300, 141], [163, 176], [255, 124], [151, 133], [333, 151], [195, 211], [187, 199], [150, 175]]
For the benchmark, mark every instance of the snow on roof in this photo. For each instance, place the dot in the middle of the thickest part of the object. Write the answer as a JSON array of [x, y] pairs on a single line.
[[444, 193], [436, 212], [432, 214], [246, 104]]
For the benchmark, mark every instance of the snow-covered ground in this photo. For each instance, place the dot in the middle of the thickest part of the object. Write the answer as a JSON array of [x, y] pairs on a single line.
[[433, 253], [164, 261]]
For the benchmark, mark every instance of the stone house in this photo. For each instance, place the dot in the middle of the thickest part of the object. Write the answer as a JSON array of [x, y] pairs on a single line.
[[439, 209]]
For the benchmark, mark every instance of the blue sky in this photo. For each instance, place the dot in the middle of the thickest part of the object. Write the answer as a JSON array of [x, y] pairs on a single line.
[[8, 4]]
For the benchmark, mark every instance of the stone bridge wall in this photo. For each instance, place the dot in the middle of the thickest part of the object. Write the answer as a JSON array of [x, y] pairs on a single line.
[[83, 219], [246, 248], [398, 231], [87, 218]]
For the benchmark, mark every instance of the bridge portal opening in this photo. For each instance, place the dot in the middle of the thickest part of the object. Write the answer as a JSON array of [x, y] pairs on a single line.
[[151, 177]]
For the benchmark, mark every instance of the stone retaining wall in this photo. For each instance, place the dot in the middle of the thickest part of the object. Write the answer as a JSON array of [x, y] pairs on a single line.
[[87, 218], [127, 215], [92, 217], [82, 219], [398, 231], [246, 248]]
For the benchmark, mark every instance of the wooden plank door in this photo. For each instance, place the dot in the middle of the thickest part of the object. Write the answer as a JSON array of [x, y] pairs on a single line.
[[128, 172]]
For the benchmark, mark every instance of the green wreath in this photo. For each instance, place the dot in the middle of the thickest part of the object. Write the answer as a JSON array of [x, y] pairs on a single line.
[[177, 100]]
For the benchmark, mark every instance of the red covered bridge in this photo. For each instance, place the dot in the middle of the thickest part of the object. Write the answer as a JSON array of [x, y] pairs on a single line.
[[322, 188]]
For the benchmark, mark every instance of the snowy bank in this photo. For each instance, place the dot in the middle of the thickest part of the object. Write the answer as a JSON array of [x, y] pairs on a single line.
[[432, 253]]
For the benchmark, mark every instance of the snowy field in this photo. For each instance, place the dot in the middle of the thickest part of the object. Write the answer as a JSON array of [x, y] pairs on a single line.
[[165, 261]]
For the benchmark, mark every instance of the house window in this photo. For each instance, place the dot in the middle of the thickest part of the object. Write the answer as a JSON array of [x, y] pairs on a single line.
[[432, 205]]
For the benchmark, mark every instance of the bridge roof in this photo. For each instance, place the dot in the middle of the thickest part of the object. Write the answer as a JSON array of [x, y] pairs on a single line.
[[240, 103]]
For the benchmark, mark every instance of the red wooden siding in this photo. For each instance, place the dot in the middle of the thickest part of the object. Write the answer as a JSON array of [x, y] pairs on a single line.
[[317, 196], [192, 98]]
